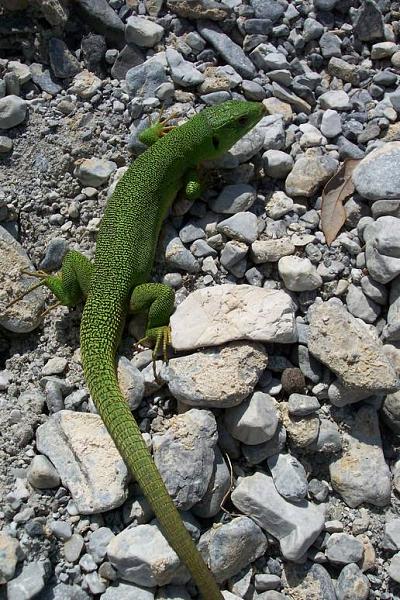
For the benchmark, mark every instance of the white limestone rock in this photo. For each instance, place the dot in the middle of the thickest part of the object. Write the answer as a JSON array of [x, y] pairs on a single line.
[[223, 313]]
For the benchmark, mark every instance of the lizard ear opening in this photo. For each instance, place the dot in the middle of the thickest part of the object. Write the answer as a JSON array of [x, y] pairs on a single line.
[[215, 141]]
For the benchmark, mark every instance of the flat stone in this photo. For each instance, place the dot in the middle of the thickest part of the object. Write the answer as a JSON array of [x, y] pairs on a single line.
[[94, 171], [103, 19], [24, 315], [263, 251], [289, 476], [223, 313], [361, 474], [377, 176], [335, 100], [345, 345], [184, 455], [296, 526], [29, 583], [143, 556], [218, 487], [229, 548], [382, 239], [234, 198], [183, 72], [217, 377], [145, 79], [309, 174], [130, 56], [299, 274], [143, 32], [12, 111], [97, 481], [63, 62], [230, 52], [254, 421], [10, 553]]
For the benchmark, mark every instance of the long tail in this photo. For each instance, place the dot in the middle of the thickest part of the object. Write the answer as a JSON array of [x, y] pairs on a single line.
[[100, 374]]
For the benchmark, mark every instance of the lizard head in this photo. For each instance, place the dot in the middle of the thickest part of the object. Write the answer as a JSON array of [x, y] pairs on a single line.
[[228, 122]]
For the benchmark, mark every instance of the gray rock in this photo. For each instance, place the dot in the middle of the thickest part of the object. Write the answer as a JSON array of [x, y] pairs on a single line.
[[55, 253], [231, 52], [267, 9], [229, 548], [258, 453], [361, 306], [184, 455], [376, 177], [144, 80], [200, 379], [62, 61], [330, 45], [241, 226], [347, 347], [130, 56], [329, 439], [143, 556], [10, 554], [289, 476], [286, 95], [335, 100], [85, 84], [143, 32], [273, 250], [298, 274], [12, 111], [382, 241], [183, 72], [277, 164], [374, 290], [98, 543], [73, 548], [61, 529], [300, 405], [232, 253], [62, 438], [331, 125], [361, 474], [127, 591], [23, 316], [343, 70], [309, 173], [103, 19], [369, 24], [218, 487], [42, 474], [43, 79], [342, 549], [94, 172], [29, 583], [296, 526], [234, 198], [131, 382], [394, 568], [383, 50], [306, 581], [6, 144], [180, 258], [206, 9], [254, 421], [391, 540], [391, 411]]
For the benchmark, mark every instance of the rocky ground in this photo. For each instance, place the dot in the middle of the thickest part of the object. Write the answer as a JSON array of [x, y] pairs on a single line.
[[276, 423]]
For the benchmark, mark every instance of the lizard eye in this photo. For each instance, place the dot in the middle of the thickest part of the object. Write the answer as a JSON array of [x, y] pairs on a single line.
[[215, 142], [242, 120]]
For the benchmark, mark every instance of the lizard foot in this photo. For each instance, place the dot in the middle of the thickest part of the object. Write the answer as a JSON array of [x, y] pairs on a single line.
[[37, 274], [160, 337]]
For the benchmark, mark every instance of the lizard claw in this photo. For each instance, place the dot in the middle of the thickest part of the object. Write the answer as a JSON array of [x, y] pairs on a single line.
[[160, 337]]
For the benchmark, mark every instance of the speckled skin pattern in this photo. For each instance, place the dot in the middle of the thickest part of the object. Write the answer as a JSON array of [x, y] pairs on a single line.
[[116, 285]]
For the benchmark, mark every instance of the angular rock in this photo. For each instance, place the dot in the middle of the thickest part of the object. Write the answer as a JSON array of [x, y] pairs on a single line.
[[345, 345], [361, 474], [299, 274], [218, 487], [309, 174], [289, 476], [377, 176], [217, 378], [184, 455], [24, 315], [382, 254], [10, 553], [229, 548], [143, 556], [343, 549], [296, 526], [254, 421], [86, 459], [212, 316], [263, 251], [145, 79]]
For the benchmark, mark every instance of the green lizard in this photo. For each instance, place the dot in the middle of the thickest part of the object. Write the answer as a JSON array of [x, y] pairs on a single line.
[[117, 284]]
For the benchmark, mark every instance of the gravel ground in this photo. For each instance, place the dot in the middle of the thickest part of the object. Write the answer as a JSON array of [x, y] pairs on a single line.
[[276, 424]]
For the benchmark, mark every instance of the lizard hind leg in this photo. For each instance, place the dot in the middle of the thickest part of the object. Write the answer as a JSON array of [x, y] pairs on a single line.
[[69, 286], [159, 300]]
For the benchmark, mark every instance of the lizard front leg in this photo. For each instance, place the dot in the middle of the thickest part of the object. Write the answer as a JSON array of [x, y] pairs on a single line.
[[159, 300]]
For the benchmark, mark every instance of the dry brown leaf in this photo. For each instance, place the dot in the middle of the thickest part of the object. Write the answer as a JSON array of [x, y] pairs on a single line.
[[338, 188]]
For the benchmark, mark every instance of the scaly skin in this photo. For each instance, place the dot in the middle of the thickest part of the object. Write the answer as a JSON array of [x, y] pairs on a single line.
[[115, 285]]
